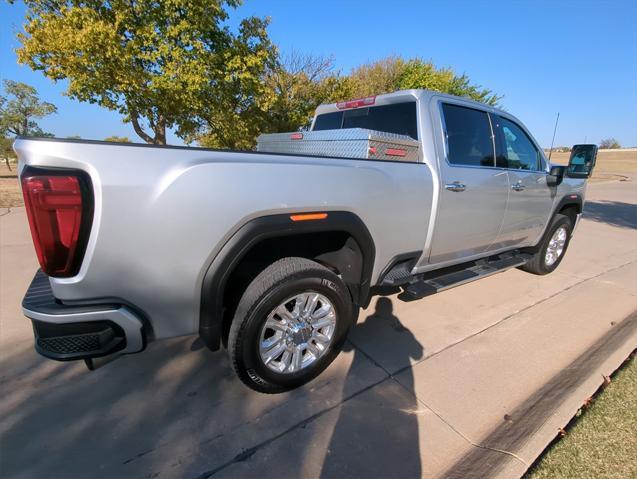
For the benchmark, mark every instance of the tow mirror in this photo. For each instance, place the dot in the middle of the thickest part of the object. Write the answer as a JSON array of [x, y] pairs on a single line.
[[555, 176], [582, 161]]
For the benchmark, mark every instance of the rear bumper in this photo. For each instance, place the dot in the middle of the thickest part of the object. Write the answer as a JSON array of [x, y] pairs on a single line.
[[63, 332]]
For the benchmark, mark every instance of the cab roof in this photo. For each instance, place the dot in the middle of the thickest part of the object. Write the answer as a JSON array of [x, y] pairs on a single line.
[[420, 95]]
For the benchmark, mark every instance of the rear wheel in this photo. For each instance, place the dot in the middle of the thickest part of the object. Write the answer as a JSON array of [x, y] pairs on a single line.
[[552, 247], [289, 325]]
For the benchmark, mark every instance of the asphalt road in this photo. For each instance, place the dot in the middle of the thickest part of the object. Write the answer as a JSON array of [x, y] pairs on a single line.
[[472, 382]]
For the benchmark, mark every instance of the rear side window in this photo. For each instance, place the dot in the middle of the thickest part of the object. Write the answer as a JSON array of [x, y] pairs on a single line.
[[399, 118], [519, 151], [329, 121], [469, 136]]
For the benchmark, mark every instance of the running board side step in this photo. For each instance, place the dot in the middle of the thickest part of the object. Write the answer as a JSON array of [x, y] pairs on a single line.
[[428, 284]]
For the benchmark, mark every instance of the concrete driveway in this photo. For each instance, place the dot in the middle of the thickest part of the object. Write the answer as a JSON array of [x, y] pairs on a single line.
[[473, 382]]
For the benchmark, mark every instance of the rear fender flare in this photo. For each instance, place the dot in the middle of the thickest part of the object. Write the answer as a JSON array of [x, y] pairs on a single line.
[[265, 227]]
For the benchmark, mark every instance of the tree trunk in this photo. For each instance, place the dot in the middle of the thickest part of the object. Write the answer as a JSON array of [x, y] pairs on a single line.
[[6, 160], [134, 117], [160, 131]]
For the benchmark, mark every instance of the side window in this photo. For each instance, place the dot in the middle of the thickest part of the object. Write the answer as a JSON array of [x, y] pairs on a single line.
[[469, 136], [520, 152]]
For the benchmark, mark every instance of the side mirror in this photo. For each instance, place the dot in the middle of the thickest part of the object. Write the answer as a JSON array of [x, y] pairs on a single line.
[[582, 161], [555, 176]]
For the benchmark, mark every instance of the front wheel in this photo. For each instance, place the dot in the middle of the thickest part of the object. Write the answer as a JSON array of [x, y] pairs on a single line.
[[552, 248], [289, 325]]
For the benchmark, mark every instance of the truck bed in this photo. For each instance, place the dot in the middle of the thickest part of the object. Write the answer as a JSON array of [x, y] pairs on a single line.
[[162, 214]]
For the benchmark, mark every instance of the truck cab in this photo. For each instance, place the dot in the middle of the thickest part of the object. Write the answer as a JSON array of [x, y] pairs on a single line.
[[492, 181]]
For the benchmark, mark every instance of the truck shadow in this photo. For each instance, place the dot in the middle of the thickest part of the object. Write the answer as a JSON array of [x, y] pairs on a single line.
[[377, 434], [178, 411], [614, 213]]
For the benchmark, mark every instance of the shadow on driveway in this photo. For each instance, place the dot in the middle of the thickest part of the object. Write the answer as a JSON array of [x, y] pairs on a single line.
[[614, 213], [377, 435], [176, 410]]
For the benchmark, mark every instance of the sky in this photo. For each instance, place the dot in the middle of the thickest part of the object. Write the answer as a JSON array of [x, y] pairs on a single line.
[[578, 58]]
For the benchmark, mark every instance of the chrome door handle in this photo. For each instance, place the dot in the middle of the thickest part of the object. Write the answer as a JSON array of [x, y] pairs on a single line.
[[455, 186], [517, 186]]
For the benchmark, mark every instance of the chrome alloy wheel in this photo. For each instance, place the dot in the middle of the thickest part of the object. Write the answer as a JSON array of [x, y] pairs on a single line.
[[297, 332], [556, 246]]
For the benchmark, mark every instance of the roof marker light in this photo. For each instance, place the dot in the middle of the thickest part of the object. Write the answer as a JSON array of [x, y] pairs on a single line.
[[296, 136], [367, 101]]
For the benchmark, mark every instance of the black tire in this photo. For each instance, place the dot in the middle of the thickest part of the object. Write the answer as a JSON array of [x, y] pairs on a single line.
[[283, 279], [537, 264]]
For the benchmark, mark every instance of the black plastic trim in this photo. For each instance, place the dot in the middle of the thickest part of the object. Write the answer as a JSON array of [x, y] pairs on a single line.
[[39, 299], [109, 337], [412, 256], [570, 199], [257, 230], [88, 207]]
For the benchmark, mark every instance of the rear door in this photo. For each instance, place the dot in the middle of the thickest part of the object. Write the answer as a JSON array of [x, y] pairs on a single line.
[[530, 198], [473, 192]]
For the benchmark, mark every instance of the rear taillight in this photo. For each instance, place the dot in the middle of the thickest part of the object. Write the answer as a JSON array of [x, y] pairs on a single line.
[[59, 206]]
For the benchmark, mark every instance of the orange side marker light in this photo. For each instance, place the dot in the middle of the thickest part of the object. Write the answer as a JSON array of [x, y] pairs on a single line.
[[308, 216]]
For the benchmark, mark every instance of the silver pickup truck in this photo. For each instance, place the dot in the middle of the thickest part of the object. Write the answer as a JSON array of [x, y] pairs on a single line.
[[272, 253]]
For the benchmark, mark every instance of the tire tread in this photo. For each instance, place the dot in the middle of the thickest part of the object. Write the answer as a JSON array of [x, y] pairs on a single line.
[[275, 274]]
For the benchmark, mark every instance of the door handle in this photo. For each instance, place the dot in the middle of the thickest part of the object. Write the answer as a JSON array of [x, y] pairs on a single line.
[[517, 186], [456, 186]]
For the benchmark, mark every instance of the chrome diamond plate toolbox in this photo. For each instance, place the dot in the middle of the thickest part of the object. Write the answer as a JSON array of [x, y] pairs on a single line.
[[345, 143]]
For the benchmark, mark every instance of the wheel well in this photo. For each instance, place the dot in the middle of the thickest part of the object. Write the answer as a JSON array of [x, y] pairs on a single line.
[[571, 210], [336, 250]]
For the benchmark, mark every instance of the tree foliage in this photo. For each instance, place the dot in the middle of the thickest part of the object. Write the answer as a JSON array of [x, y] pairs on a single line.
[[609, 143], [395, 73], [176, 64], [6, 150], [117, 139], [297, 84], [291, 90], [20, 108], [159, 64]]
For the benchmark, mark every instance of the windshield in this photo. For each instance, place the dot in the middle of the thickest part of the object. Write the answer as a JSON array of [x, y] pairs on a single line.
[[399, 118]]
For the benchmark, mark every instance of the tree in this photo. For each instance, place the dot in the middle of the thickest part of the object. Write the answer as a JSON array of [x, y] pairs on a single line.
[[158, 64], [6, 150], [19, 109], [375, 78], [289, 92], [117, 139], [394, 73], [299, 84], [609, 143]]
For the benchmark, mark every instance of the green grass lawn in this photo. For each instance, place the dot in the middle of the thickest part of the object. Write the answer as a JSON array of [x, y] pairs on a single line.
[[602, 443]]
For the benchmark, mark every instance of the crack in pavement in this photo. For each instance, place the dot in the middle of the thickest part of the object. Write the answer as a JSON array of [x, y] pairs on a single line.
[[247, 453], [526, 308], [6, 212], [427, 406]]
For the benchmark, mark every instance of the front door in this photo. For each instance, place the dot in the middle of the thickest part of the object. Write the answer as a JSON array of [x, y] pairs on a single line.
[[473, 194], [530, 198]]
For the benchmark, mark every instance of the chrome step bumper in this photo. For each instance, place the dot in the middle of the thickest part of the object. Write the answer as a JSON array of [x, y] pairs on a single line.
[[67, 332]]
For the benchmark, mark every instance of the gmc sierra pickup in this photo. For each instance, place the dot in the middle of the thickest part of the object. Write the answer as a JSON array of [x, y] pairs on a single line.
[[272, 253]]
